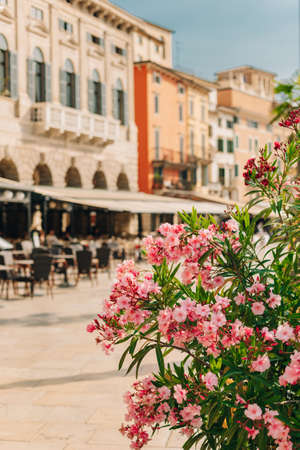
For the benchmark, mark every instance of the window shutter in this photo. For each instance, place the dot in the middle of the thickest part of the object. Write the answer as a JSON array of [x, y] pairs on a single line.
[[126, 112], [115, 103], [77, 91], [89, 37], [113, 48], [47, 82], [124, 52], [103, 99], [63, 87], [91, 94], [30, 79], [13, 74]]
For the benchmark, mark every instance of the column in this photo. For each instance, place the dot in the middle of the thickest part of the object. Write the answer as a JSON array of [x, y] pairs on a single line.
[[55, 58], [107, 70], [21, 49], [83, 66]]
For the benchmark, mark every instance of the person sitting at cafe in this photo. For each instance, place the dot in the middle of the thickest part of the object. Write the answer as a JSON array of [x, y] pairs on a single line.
[[52, 239]]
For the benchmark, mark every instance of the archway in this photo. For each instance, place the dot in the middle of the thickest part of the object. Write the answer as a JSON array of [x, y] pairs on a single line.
[[42, 175], [122, 182], [9, 170], [73, 178], [99, 180]]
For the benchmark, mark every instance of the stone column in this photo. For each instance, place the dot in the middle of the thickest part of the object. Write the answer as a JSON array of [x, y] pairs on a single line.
[[107, 73], [21, 49], [55, 59], [83, 69]]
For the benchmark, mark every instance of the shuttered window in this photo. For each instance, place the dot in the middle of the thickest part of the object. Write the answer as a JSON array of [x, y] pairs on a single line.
[[230, 146], [236, 170], [69, 86], [220, 145]]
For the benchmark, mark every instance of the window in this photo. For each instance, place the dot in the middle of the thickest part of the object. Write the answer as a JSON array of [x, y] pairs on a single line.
[[256, 145], [119, 50], [229, 124], [204, 175], [120, 103], [269, 127], [156, 78], [250, 144], [210, 131], [191, 107], [69, 86], [95, 39], [220, 122], [156, 139], [203, 145], [95, 94], [229, 146], [236, 170], [36, 13], [203, 112], [222, 176], [252, 123], [180, 112], [156, 48], [156, 103], [236, 142], [4, 65], [39, 76], [3, 2], [65, 26], [181, 89], [181, 148], [220, 145], [236, 119], [140, 39], [192, 142]]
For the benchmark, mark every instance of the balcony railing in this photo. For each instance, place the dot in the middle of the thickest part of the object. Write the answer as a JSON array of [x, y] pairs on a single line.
[[59, 120], [172, 157]]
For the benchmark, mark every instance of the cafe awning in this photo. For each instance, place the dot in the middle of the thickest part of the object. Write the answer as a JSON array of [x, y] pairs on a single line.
[[126, 201]]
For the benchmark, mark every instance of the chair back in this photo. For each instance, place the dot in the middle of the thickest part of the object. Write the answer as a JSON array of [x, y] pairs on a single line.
[[41, 267], [39, 251], [8, 258], [3, 273], [103, 254], [84, 261], [69, 251]]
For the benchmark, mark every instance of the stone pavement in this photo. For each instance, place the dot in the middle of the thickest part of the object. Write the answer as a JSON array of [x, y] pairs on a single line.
[[58, 391]]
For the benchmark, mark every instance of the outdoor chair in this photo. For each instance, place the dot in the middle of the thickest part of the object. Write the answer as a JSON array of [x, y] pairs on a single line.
[[103, 256], [40, 273], [6, 278], [84, 264]]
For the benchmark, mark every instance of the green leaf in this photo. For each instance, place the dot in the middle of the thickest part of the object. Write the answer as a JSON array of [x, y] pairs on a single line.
[[160, 359]]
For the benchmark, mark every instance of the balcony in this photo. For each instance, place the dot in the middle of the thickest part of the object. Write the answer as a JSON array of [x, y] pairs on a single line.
[[173, 159], [56, 120]]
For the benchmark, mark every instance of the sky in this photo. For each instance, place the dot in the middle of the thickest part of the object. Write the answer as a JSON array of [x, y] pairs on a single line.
[[214, 35]]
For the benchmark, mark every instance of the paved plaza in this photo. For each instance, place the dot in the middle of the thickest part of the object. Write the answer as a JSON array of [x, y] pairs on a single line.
[[58, 391]]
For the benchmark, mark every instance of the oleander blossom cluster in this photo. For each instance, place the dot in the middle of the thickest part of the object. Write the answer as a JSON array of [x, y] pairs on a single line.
[[228, 317]]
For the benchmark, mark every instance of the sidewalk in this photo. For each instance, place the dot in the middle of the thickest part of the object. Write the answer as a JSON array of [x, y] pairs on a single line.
[[58, 391]]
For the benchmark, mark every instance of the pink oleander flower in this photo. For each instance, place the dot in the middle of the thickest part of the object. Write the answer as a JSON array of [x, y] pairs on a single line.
[[180, 314], [189, 412], [258, 308], [292, 372], [274, 300], [164, 393], [231, 225], [239, 299], [252, 432], [261, 364], [90, 327], [179, 394], [256, 287], [253, 412], [210, 380], [284, 332]]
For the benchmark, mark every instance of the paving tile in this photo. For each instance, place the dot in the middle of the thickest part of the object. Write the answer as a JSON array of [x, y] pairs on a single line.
[[72, 432], [38, 445], [23, 431]]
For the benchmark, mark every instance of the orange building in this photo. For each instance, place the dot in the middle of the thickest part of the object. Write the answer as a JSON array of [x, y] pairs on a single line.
[[172, 148]]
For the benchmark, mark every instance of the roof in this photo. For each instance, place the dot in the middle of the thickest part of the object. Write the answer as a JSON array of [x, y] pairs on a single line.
[[246, 67], [181, 76], [158, 26], [208, 83]]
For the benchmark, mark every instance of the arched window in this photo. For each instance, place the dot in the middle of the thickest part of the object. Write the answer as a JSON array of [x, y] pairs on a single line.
[[42, 175], [39, 75], [73, 178], [8, 169], [70, 83], [4, 65], [99, 180], [120, 103], [122, 182], [69, 86]]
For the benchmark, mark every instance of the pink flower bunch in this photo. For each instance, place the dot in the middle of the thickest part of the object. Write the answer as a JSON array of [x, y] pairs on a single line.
[[292, 121], [259, 169], [149, 407], [127, 305], [291, 374]]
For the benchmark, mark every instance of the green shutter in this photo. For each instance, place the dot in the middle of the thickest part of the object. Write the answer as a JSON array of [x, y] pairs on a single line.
[[47, 82], [103, 99], [30, 79], [91, 99], [115, 103], [236, 170], [229, 146], [63, 87], [13, 74], [126, 112], [220, 145], [77, 91]]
